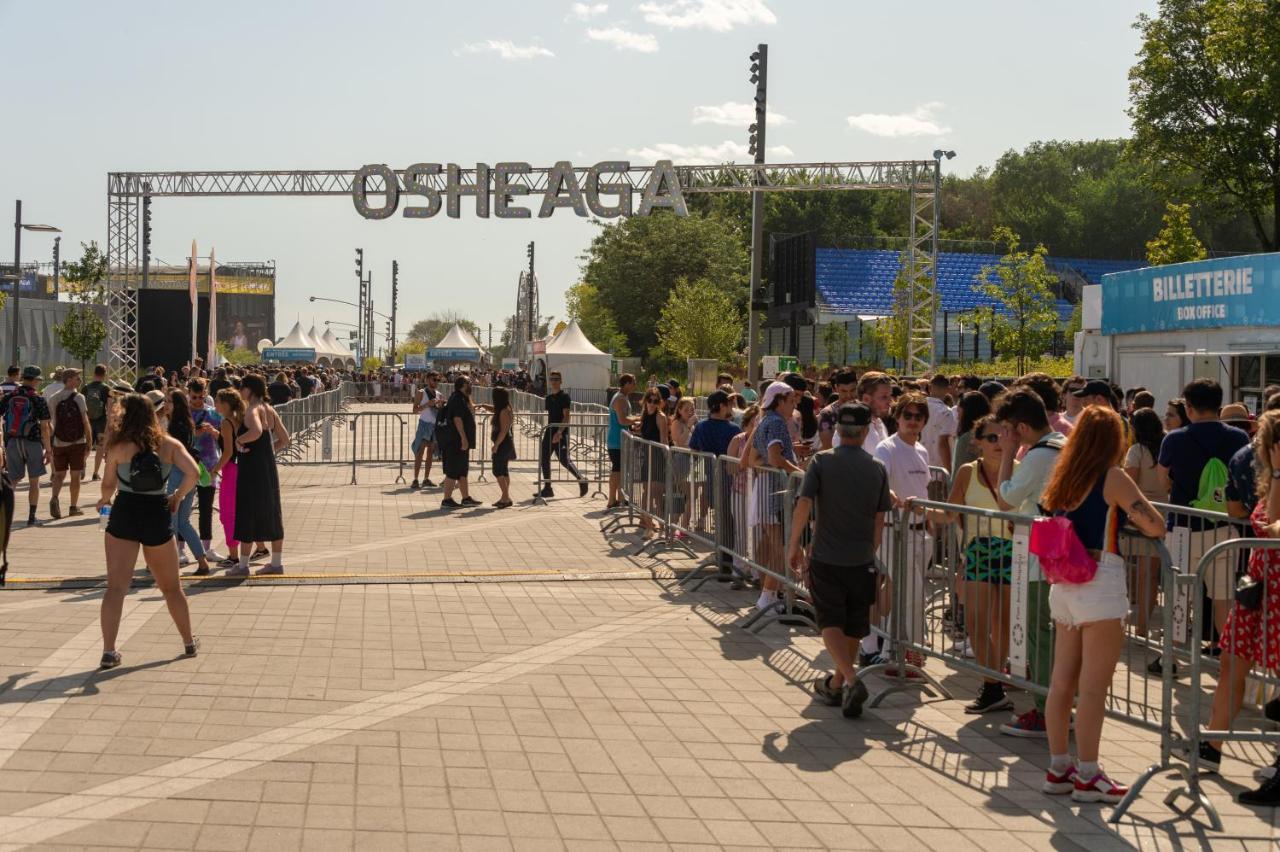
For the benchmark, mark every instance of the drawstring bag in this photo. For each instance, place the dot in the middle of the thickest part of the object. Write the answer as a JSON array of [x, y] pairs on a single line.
[[1062, 555]]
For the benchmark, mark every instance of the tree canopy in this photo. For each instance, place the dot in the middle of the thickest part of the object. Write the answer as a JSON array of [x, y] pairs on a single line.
[[701, 320], [436, 326], [1023, 317], [582, 301]]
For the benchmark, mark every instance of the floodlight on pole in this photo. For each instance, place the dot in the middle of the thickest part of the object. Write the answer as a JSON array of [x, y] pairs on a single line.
[[18, 228]]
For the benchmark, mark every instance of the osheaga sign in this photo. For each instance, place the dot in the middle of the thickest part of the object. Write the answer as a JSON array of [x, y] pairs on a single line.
[[1234, 291], [602, 190]]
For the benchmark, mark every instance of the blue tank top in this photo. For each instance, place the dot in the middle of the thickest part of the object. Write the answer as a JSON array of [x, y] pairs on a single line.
[[613, 438], [1096, 522]]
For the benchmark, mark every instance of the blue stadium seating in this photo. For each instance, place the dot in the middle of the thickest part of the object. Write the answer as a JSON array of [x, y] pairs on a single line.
[[860, 281]]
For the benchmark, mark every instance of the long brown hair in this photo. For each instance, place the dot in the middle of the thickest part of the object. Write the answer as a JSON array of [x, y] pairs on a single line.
[[136, 424], [234, 402], [1096, 445], [1266, 438]]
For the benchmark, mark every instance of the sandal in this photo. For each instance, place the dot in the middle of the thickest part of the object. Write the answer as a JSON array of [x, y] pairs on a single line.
[[830, 695], [110, 659]]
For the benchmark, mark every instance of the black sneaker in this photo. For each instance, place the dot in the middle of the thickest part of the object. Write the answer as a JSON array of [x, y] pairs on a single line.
[[826, 693], [470, 501], [1268, 794], [450, 503], [869, 658], [190, 649], [1210, 757], [1265, 773], [852, 698], [414, 485], [583, 488], [1156, 667], [110, 659], [990, 699], [545, 492], [427, 483], [1272, 710]]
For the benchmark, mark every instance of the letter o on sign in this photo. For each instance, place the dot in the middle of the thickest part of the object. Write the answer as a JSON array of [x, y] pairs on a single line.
[[391, 192]]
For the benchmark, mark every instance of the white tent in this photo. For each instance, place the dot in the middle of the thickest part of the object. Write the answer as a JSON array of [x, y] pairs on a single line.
[[324, 352], [458, 346], [298, 339], [340, 352], [581, 365]]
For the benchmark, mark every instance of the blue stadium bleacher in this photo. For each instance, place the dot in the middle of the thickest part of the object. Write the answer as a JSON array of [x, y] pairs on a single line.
[[860, 281]]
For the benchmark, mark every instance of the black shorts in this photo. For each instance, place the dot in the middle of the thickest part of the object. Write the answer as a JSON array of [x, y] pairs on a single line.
[[98, 427], [455, 461], [143, 518], [615, 460], [843, 596]]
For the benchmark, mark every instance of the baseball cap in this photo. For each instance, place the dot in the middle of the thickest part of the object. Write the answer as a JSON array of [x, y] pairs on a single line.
[[31, 372], [673, 383], [715, 399], [156, 397], [1095, 387], [775, 390], [853, 414]]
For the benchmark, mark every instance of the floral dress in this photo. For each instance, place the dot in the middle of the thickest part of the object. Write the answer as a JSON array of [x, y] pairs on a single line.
[[1243, 633]]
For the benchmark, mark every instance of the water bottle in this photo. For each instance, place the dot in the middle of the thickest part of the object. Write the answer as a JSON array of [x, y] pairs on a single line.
[[104, 517]]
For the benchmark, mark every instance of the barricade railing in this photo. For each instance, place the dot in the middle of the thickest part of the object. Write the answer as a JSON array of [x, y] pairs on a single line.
[[1244, 671], [305, 419], [375, 392]]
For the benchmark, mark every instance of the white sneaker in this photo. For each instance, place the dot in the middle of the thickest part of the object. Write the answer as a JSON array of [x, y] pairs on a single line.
[[212, 555], [767, 599], [183, 558]]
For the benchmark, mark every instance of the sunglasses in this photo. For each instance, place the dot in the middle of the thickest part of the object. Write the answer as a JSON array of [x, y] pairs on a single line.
[[913, 415], [990, 438]]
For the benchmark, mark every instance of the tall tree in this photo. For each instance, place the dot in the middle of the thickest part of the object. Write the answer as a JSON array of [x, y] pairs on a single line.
[[82, 332], [1176, 242], [1205, 102], [437, 326], [634, 264], [701, 320], [1024, 316], [835, 339], [582, 301]]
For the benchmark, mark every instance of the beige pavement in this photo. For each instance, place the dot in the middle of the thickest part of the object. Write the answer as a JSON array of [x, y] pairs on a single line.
[[505, 714]]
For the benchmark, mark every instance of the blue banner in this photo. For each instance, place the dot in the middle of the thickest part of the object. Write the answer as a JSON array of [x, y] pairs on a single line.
[[281, 353], [1225, 292], [437, 354]]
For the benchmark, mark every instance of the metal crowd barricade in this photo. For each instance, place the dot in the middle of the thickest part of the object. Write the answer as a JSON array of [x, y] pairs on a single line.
[[1251, 626], [582, 444]]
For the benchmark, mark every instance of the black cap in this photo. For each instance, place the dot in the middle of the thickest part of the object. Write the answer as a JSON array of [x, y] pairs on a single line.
[[673, 383], [853, 414], [797, 381], [1096, 387], [715, 399], [664, 391]]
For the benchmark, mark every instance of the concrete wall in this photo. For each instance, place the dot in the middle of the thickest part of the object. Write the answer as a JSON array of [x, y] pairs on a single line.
[[36, 335]]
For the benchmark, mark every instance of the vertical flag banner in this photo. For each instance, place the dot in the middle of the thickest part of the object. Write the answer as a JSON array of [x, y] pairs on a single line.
[[211, 358], [191, 279]]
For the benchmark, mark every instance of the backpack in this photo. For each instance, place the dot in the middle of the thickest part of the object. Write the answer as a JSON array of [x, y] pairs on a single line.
[[145, 472], [1211, 491], [95, 400], [69, 424], [19, 415]]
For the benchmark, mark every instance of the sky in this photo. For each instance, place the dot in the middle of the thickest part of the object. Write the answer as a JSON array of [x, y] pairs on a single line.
[[96, 87]]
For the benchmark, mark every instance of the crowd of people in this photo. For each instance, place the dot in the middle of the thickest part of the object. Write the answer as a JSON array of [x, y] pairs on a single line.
[[1083, 449], [160, 445]]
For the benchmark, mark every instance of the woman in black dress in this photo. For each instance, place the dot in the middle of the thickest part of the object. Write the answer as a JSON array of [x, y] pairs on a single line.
[[458, 437], [654, 427], [258, 515], [504, 446]]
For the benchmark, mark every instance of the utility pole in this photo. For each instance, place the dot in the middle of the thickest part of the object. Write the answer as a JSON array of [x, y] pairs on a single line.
[[57, 264], [759, 76], [395, 298], [360, 307], [533, 320], [17, 280]]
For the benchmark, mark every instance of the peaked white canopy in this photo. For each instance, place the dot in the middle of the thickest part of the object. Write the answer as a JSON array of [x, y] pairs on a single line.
[[335, 345], [572, 341], [580, 363], [298, 339], [459, 338]]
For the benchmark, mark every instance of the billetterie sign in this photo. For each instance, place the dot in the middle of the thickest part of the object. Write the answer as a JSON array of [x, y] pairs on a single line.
[[603, 190], [1223, 292]]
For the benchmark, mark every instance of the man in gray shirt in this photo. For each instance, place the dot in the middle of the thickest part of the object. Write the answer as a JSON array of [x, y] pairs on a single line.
[[851, 492]]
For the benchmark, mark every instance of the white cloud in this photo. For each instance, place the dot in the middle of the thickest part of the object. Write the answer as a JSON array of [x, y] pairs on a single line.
[[919, 122], [507, 49], [717, 15], [624, 39], [587, 11], [703, 154], [732, 114]]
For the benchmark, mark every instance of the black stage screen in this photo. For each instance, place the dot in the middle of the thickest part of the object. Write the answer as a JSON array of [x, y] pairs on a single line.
[[164, 325]]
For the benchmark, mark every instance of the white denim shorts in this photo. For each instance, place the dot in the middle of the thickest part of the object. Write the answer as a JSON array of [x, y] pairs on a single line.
[[1103, 598]]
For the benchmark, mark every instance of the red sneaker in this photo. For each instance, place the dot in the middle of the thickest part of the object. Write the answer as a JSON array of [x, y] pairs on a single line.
[[1029, 724], [1100, 788], [1059, 784]]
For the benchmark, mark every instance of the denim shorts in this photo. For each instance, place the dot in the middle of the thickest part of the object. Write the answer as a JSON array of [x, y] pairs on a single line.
[[425, 435], [1103, 598]]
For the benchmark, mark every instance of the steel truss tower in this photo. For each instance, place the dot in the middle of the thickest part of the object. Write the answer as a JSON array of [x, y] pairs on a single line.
[[125, 191]]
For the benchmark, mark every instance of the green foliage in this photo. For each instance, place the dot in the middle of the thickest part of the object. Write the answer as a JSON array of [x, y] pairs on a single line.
[[1204, 97], [1007, 367], [892, 333], [700, 320], [582, 301], [83, 332], [436, 326], [835, 339], [1176, 242], [372, 364], [238, 357], [1024, 318], [634, 263]]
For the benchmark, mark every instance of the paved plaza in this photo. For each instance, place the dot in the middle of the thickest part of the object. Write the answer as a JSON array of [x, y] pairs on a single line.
[[495, 680]]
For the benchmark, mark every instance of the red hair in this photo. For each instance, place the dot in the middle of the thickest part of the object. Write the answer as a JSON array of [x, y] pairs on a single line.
[[1096, 445]]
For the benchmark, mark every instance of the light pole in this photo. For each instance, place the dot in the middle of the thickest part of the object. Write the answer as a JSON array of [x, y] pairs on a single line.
[[18, 228], [366, 320], [938, 154], [759, 76]]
